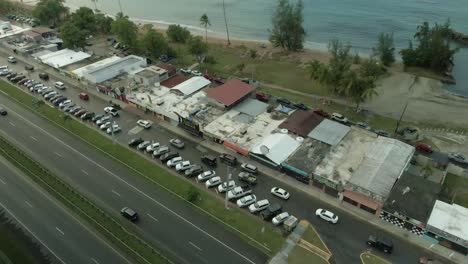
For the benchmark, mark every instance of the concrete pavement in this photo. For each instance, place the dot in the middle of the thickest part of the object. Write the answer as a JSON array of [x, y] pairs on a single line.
[[60, 233]]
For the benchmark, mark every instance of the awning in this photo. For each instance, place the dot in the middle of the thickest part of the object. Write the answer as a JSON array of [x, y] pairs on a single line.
[[236, 148], [361, 199]]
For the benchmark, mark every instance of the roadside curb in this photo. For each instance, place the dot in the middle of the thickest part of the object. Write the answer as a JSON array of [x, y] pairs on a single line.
[[370, 253]]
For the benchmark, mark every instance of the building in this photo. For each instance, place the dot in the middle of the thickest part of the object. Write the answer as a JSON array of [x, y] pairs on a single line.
[[171, 69], [275, 148], [62, 58], [110, 68], [150, 76], [448, 226], [301, 122], [190, 86], [174, 81], [329, 132], [229, 94]]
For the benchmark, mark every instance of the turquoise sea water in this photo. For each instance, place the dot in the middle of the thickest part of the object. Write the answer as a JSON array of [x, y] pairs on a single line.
[[355, 21]]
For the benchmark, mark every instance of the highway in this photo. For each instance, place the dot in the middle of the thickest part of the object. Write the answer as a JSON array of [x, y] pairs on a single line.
[[64, 237], [183, 233]]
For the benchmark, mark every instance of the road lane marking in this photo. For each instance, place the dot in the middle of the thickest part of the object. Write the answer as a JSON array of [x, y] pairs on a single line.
[[3, 92], [195, 246], [2, 181], [33, 138], [85, 172], [11, 123], [60, 231], [140, 191], [34, 235], [30, 205], [94, 260], [116, 193], [152, 217], [58, 154]]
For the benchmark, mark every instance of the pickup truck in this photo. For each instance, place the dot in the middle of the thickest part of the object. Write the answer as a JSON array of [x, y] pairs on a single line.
[[238, 192], [248, 178], [271, 211]]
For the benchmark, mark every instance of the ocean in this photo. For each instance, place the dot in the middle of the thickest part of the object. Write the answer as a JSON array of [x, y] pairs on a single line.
[[355, 21]]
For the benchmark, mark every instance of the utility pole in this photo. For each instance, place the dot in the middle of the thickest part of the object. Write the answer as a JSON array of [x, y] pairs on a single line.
[[225, 21], [120, 6], [401, 117], [228, 188]]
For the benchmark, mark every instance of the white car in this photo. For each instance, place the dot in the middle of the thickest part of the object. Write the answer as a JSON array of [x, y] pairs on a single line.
[[143, 145], [144, 123], [259, 206], [177, 143], [249, 168], [281, 193], [50, 95], [65, 103], [279, 219], [196, 73], [12, 59], [60, 85], [246, 200], [327, 215], [152, 147], [206, 175], [185, 70], [174, 161], [225, 186], [339, 117], [116, 128], [103, 120], [184, 165], [105, 125], [213, 182], [111, 110], [457, 157]]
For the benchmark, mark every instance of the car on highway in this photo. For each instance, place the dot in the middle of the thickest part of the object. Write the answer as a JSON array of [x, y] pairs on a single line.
[[111, 110], [168, 156], [134, 142], [380, 243], [228, 159], [60, 85], [327, 215], [129, 214], [103, 120], [3, 111], [271, 211], [177, 143], [143, 145], [182, 166], [259, 206], [279, 219], [423, 147], [174, 161], [152, 147], [144, 123], [158, 152], [246, 200], [249, 168], [457, 157], [279, 192], [206, 175], [226, 186], [247, 177], [193, 171], [339, 118], [113, 129], [212, 182]]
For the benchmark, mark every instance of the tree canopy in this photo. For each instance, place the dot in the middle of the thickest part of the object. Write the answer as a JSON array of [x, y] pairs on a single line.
[[104, 23], [84, 19], [154, 42], [178, 34], [197, 47], [288, 31], [433, 48], [205, 22], [385, 49], [72, 35], [125, 30], [49, 11]]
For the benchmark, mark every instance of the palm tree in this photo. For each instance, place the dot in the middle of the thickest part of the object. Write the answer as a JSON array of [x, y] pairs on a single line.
[[95, 5], [205, 21], [225, 21]]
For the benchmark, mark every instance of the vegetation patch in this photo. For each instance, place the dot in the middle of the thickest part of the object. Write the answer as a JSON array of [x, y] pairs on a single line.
[[311, 236], [300, 255], [455, 190], [369, 258]]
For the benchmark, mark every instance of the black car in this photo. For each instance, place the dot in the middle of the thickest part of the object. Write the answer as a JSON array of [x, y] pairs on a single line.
[[129, 214], [3, 112], [194, 171], [228, 159], [209, 160], [383, 244], [272, 211], [29, 67], [11, 75], [57, 102], [283, 101], [44, 76], [56, 98], [87, 116], [301, 106], [168, 156], [135, 142]]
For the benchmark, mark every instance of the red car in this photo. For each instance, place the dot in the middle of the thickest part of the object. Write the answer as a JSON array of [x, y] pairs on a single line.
[[320, 112], [424, 148], [84, 96], [262, 97]]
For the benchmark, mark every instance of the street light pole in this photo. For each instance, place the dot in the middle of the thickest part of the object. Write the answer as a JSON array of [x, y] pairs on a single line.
[[226, 204]]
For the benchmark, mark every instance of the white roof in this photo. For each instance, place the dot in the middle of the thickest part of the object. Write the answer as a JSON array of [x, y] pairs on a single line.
[[329, 132], [191, 85], [276, 147], [450, 218], [81, 71], [63, 57]]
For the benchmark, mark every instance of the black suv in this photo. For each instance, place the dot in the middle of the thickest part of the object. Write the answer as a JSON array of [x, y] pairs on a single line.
[[209, 160], [228, 159], [272, 211], [135, 142], [3, 112], [194, 171], [129, 214], [380, 243]]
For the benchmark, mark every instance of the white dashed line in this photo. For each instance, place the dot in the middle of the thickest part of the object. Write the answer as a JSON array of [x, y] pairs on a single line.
[[152, 217], [83, 171], [195, 246], [30, 205], [12, 124], [33, 138], [2, 181], [58, 154], [94, 260], [60, 231], [116, 193]]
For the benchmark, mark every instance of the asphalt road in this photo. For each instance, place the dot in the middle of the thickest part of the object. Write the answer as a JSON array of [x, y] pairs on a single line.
[[346, 239], [60, 233]]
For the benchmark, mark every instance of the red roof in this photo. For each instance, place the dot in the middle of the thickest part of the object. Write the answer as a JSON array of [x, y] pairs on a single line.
[[230, 92], [168, 67], [175, 80], [302, 122]]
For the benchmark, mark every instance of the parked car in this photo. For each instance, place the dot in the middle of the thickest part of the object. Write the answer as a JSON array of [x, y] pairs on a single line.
[[262, 97], [228, 159], [259, 206], [87, 116], [185, 70], [212, 182], [102, 120], [97, 117], [84, 96], [105, 125], [249, 168], [382, 133], [50, 95], [196, 73], [209, 160], [247, 177], [380, 243], [158, 152], [29, 67], [182, 166], [226, 186], [44, 76], [113, 129], [60, 85], [246, 200], [301, 106], [177, 143], [3, 111], [339, 118], [283, 101], [75, 109], [423, 147], [143, 145], [134, 142], [144, 123], [238, 192], [457, 157], [206, 175], [65, 103], [152, 147], [174, 161], [271, 211], [11, 59], [111, 110], [363, 125], [320, 112], [279, 219], [168, 156], [129, 214], [193, 171], [80, 112], [327, 216], [281, 193]]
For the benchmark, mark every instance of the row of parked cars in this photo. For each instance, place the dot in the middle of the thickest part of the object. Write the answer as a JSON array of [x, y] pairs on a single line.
[[23, 19]]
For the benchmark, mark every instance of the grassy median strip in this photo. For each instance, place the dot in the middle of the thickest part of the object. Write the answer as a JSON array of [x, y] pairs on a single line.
[[102, 221], [265, 237]]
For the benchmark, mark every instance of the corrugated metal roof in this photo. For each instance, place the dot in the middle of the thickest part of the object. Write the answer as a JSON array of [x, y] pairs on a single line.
[[191, 85], [329, 132], [230, 92], [450, 218], [63, 57], [251, 107], [278, 147]]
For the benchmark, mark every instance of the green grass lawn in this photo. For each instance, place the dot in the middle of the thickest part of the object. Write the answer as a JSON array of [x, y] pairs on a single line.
[[368, 258], [455, 187], [17, 247], [311, 236], [300, 255], [268, 239]]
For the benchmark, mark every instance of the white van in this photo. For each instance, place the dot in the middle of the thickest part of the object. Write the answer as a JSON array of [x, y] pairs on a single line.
[[60, 85]]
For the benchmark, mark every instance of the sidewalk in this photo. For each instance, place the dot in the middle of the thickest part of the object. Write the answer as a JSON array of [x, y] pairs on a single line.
[[310, 191]]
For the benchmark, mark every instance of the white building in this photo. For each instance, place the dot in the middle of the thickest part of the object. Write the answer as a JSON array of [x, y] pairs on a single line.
[[190, 86], [61, 58]]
